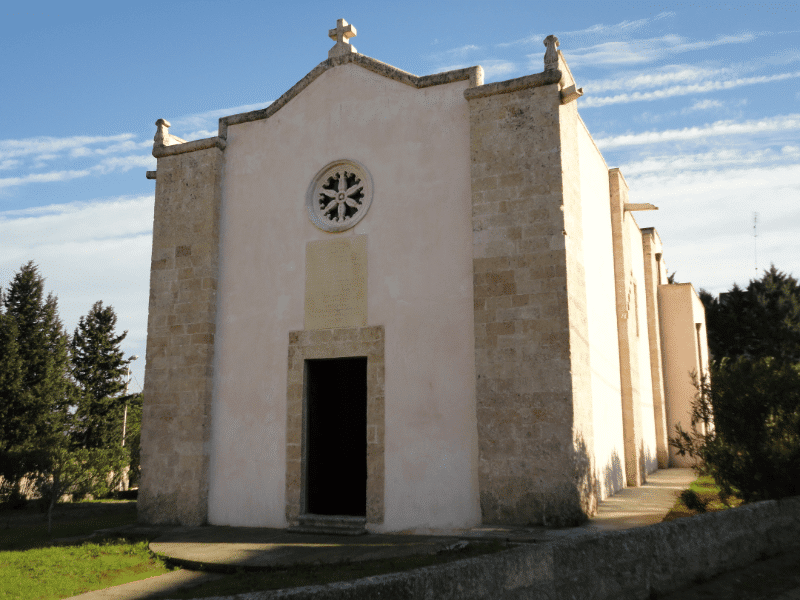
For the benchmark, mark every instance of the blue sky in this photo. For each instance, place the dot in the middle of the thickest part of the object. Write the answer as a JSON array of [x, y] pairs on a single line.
[[699, 105]]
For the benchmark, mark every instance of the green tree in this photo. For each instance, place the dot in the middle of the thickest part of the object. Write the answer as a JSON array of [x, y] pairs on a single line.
[[760, 320], [35, 390], [746, 427], [98, 367]]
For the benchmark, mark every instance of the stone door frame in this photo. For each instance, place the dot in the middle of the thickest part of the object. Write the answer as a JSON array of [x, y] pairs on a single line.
[[349, 342]]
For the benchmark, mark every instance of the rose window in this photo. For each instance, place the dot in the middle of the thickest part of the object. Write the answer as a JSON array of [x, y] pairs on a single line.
[[339, 195]]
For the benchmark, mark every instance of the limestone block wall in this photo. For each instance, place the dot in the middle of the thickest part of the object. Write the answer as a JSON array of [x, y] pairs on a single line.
[[180, 337], [530, 363], [685, 351]]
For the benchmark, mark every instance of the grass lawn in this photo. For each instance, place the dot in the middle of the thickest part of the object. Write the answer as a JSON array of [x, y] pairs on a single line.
[[64, 571], [35, 565], [706, 493]]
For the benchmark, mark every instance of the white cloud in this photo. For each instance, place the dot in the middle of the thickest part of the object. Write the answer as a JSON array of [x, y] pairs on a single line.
[[463, 50], [204, 120], [50, 177], [667, 75], [684, 90], [646, 50], [125, 146], [705, 220], [498, 68], [779, 123], [595, 31], [107, 165], [48, 147], [677, 163], [9, 163], [706, 104]]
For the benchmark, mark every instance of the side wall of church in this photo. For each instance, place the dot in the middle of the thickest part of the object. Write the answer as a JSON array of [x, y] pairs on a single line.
[[180, 340], [534, 413], [648, 443], [685, 352], [601, 303], [415, 144], [654, 275]]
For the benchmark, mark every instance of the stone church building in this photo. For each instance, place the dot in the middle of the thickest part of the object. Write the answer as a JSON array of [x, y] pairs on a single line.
[[391, 302]]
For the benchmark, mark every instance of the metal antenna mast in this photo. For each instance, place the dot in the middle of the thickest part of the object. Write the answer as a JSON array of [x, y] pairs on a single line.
[[755, 238]]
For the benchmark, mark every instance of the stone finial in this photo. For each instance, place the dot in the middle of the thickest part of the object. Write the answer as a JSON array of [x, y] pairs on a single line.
[[163, 137], [342, 34], [551, 54], [162, 133]]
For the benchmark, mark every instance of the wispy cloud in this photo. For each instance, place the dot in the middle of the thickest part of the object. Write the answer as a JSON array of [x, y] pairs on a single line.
[[716, 159], [646, 50], [50, 146], [107, 165], [595, 31], [779, 123], [685, 90], [206, 122], [8, 163], [646, 80], [498, 68]]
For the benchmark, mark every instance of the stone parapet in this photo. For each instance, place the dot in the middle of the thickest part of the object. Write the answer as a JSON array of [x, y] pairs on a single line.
[[526, 284], [180, 338]]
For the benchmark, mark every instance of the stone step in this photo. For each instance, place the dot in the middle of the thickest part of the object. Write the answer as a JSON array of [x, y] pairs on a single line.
[[331, 525]]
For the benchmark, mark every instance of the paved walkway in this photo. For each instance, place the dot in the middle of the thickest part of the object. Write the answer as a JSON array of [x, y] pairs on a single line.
[[221, 548]]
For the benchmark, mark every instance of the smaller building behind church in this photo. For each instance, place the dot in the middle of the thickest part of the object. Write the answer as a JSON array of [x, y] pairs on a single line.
[[391, 302]]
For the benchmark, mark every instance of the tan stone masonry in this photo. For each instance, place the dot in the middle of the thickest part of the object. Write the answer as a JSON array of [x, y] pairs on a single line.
[[530, 364], [180, 339]]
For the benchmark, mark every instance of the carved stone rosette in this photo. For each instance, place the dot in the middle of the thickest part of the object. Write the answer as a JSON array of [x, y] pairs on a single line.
[[339, 195]]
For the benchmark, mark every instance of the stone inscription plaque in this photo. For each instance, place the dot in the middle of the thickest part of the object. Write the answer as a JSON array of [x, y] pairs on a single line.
[[336, 283]]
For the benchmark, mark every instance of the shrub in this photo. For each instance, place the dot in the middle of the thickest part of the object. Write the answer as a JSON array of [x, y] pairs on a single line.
[[746, 427]]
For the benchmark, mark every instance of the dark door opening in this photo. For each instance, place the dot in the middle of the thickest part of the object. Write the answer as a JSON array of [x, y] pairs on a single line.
[[336, 436]]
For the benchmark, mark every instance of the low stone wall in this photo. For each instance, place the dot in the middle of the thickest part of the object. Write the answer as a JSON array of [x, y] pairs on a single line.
[[634, 563]]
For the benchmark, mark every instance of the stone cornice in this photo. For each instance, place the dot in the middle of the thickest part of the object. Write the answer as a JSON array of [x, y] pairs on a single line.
[[172, 150], [513, 85], [472, 74]]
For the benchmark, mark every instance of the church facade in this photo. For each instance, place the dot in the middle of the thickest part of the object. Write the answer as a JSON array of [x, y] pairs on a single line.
[[405, 303]]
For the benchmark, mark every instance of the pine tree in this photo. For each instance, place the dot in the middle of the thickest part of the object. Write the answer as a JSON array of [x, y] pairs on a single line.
[[98, 367], [34, 386]]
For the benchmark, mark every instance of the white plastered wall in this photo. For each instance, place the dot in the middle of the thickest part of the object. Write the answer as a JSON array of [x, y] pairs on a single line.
[[601, 310], [415, 143], [645, 374]]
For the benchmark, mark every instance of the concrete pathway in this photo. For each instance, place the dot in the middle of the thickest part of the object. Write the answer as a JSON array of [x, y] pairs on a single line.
[[152, 587], [228, 548]]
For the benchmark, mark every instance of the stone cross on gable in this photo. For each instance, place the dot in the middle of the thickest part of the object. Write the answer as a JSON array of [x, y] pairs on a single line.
[[342, 34]]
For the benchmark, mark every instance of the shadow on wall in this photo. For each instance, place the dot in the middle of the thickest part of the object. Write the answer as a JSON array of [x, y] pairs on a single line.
[[613, 479]]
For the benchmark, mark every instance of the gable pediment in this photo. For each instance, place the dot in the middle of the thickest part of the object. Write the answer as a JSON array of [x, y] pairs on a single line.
[[472, 74]]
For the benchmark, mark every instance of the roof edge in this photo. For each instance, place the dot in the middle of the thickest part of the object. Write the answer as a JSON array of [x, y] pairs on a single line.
[[514, 85], [472, 74]]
